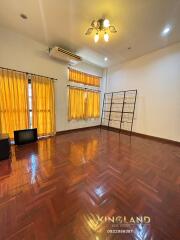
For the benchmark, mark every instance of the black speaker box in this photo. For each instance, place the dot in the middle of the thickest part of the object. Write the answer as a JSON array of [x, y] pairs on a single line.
[[25, 136], [5, 149]]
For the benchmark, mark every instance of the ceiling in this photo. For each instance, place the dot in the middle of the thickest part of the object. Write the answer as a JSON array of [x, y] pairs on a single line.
[[63, 23]]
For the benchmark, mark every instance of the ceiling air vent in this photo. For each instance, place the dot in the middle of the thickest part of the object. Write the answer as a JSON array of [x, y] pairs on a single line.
[[64, 55]]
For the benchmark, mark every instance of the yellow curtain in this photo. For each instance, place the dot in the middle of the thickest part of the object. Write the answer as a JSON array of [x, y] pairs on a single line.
[[93, 104], [13, 102], [83, 78], [76, 103], [43, 113]]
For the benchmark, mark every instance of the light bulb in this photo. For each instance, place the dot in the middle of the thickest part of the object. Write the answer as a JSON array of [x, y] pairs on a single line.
[[106, 37], [166, 31], [96, 37], [106, 23]]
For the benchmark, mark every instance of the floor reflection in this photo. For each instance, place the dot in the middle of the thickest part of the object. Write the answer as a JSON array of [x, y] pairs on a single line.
[[28, 162], [46, 148], [46, 154], [5, 168], [81, 153], [100, 191], [33, 168], [142, 231], [20, 153]]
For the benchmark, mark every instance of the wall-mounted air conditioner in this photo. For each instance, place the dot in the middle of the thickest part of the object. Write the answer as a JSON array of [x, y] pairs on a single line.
[[64, 55]]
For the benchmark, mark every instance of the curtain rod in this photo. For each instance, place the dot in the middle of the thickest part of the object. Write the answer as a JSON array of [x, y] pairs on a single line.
[[54, 79], [90, 89]]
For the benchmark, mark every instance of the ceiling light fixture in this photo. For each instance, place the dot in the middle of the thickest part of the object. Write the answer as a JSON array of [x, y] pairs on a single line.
[[106, 37], [105, 59], [101, 25], [96, 37], [166, 31], [106, 23]]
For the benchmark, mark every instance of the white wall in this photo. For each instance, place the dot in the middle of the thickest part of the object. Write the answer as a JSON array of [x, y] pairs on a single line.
[[21, 53], [156, 76]]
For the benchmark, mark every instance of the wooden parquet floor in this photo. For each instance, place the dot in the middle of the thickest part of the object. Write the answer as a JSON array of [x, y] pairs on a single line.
[[57, 188]]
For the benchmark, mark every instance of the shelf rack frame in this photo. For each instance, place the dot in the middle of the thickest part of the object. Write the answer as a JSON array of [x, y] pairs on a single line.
[[124, 96]]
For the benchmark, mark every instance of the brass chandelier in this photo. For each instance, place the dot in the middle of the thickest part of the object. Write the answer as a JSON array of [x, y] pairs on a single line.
[[101, 25]]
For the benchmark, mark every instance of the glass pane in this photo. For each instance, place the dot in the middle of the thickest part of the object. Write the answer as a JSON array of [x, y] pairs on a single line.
[[29, 90], [30, 119], [30, 103]]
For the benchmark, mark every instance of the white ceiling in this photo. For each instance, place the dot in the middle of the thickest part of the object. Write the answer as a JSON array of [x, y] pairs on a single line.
[[63, 22]]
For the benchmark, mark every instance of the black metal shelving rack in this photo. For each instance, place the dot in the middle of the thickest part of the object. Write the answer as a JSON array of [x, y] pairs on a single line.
[[118, 110]]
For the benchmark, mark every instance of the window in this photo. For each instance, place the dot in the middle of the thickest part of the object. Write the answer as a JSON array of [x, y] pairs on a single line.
[[41, 105], [13, 102], [92, 104], [43, 112], [26, 102], [83, 78], [83, 104]]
